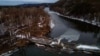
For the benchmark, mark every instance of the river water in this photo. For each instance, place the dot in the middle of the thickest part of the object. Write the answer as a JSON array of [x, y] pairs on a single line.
[[67, 31]]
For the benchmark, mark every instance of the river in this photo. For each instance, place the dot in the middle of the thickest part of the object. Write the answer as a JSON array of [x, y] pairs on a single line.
[[62, 26], [67, 31]]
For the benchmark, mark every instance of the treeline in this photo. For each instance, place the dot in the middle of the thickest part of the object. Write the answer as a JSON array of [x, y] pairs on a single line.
[[87, 9], [30, 21]]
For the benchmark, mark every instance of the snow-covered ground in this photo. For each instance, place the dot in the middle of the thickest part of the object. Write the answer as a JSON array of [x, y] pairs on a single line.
[[87, 47], [93, 22]]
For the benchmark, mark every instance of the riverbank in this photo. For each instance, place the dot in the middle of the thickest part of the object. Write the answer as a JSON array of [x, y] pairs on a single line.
[[85, 11], [93, 23], [51, 44]]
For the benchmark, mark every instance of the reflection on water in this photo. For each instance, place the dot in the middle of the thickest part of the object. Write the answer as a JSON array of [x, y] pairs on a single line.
[[32, 50], [83, 33], [70, 35], [98, 41]]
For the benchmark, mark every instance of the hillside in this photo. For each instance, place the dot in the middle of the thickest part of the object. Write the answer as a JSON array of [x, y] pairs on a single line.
[[17, 24], [28, 20], [86, 9]]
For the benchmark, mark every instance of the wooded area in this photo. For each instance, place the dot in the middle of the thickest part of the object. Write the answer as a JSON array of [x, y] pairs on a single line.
[[88, 9], [21, 24]]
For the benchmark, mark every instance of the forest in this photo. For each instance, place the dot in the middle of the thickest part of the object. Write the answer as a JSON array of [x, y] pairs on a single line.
[[87, 9], [19, 24]]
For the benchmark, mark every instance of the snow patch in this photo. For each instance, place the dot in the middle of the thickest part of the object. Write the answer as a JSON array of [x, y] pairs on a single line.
[[52, 25], [86, 47], [39, 25], [39, 45], [54, 43], [21, 36]]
